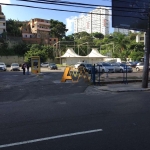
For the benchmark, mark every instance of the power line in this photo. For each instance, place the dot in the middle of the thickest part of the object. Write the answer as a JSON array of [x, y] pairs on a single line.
[[67, 2], [73, 3], [67, 10], [56, 3], [59, 3]]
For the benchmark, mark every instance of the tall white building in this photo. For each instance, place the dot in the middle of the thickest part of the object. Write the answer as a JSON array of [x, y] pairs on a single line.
[[95, 21]]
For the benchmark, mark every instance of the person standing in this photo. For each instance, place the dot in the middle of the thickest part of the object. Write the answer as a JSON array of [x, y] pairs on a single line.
[[23, 68], [28, 68]]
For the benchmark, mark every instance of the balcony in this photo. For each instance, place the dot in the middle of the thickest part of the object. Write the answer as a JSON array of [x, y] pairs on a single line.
[[2, 16], [2, 20], [43, 29], [2, 27], [43, 23]]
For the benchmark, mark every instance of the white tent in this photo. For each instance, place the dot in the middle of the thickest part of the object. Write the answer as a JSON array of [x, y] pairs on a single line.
[[69, 53], [95, 54], [70, 57]]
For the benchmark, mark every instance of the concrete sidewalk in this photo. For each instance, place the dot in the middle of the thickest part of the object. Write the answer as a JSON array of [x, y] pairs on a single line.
[[130, 87]]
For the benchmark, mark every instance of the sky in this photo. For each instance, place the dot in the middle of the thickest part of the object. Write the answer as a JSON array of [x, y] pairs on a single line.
[[25, 13]]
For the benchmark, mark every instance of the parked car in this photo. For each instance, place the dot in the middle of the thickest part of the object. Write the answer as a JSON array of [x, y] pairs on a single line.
[[86, 68], [131, 64], [77, 65], [52, 66], [14, 67], [100, 68], [126, 68], [3, 66], [45, 64], [117, 67], [104, 67], [140, 66]]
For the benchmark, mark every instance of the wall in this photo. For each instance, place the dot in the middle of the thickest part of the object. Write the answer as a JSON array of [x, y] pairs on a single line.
[[11, 59]]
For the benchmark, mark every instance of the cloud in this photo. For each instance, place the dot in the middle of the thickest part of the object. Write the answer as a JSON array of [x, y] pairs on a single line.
[[5, 2], [70, 24]]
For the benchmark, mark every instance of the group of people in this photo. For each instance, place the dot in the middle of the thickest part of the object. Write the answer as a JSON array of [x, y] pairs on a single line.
[[24, 67]]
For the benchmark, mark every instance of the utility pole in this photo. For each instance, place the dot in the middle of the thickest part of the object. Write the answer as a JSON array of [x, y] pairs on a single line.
[[146, 56]]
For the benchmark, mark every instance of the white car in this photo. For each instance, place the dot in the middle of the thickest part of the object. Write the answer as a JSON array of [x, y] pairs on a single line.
[[2, 66], [104, 67], [45, 64], [14, 67], [77, 65], [121, 67]]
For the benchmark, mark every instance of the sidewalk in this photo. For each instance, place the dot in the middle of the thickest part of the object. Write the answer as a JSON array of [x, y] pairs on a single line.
[[130, 87]]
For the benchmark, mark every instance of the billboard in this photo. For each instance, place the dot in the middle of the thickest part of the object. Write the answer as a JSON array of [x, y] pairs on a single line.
[[130, 14]]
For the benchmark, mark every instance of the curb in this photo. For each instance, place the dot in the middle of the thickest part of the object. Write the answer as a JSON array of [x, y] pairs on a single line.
[[116, 82], [128, 90]]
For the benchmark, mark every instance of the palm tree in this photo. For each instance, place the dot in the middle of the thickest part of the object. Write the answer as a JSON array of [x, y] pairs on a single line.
[[120, 41]]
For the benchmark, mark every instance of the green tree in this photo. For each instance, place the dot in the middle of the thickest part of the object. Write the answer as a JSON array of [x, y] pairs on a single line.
[[13, 27], [98, 35], [37, 50], [120, 41], [58, 29], [21, 48], [136, 55]]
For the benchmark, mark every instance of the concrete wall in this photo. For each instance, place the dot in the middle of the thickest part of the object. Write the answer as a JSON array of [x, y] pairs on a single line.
[[11, 59]]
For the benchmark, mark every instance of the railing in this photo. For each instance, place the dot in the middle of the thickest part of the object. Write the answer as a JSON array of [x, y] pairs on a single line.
[[96, 76]]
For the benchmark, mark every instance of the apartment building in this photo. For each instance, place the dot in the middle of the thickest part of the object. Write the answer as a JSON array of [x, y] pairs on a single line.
[[124, 31], [2, 22], [95, 21], [140, 38], [37, 31]]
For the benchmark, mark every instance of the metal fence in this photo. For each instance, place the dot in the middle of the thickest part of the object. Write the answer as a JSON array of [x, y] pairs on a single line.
[[98, 77]]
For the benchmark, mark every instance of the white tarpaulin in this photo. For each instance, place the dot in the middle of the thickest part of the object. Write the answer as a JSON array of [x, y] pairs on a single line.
[[95, 53], [70, 53], [70, 57]]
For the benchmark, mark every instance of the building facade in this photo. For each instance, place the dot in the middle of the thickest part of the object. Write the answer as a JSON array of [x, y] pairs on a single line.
[[2, 22], [124, 31], [140, 38], [95, 21], [37, 31]]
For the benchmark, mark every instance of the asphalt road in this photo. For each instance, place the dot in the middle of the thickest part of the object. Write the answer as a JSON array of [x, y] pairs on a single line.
[[40, 113]]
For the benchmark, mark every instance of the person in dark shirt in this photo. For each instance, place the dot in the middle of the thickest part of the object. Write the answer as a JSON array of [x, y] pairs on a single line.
[[23, 68], [28, 69]]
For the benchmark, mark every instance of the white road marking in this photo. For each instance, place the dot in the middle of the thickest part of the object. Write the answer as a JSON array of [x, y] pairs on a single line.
[[50, 138]]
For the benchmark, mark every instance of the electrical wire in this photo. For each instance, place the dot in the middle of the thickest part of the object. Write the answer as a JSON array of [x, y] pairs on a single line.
[[69, 10], [57, 3], [74, 3]]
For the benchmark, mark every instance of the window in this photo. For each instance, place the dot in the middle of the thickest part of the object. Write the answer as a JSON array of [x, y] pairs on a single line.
[[3, 24], [4, 30], [55, 40], [141, 38]]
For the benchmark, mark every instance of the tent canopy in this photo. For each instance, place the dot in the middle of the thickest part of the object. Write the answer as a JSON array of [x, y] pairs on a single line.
[[95, 53], [70, 53]]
